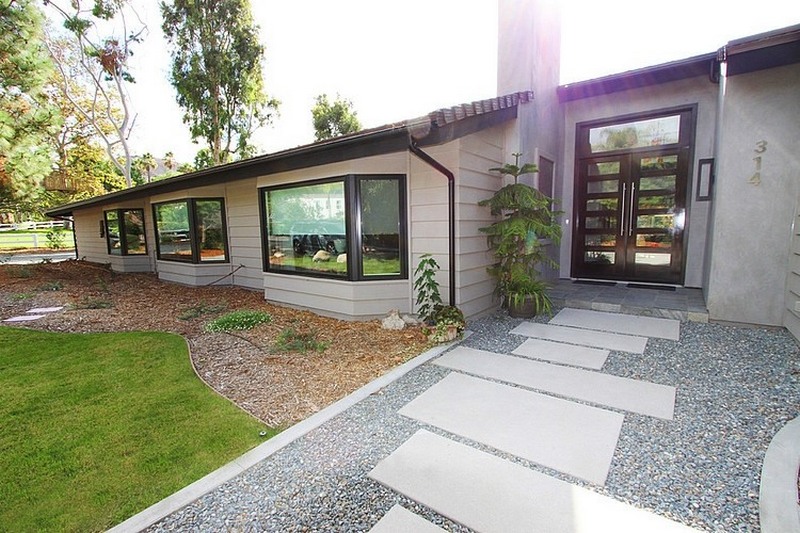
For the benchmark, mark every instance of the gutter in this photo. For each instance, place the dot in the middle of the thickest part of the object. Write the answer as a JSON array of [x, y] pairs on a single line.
[[414, 148]]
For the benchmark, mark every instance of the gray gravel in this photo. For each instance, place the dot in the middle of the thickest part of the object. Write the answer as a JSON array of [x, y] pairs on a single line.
[[736, 388]]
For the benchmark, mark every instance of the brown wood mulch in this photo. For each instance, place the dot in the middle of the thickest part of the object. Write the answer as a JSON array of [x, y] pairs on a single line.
[[280, 388]]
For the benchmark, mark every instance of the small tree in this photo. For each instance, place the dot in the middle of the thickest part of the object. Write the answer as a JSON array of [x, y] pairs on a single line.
[[333, 119], [526, 217]]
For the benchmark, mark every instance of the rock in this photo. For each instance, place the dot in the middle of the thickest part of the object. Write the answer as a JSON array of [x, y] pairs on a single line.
[[321, 255], [342, 258], [393, 321], [411, 320]]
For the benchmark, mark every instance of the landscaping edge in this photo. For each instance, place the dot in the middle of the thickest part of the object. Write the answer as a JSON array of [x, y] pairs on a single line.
[[206, 484]]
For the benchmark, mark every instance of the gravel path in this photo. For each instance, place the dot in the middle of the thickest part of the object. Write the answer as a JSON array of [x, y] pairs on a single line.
[[736, 388]]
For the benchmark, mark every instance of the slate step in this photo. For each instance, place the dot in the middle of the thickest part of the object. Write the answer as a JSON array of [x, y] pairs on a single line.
[[489, 494], [573, 438], [662, 328], [621, 393], [597, 339]]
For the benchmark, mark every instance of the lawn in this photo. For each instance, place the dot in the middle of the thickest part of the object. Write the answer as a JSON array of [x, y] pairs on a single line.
[[96, 427], [19, 240]]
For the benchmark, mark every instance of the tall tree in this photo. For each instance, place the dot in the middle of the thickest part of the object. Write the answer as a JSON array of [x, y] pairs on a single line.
[[333, 119], [216, 71], [101, 59], [26, 117]]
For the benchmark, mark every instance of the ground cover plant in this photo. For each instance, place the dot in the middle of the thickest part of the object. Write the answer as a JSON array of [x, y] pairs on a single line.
[[99, 426]]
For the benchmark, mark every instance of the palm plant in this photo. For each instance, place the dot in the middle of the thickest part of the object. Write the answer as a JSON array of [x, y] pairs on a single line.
[[516, 238]]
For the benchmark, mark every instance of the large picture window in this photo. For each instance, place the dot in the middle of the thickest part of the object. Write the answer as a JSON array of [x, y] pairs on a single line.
[[352, 227], [124, 230], [191, 230]]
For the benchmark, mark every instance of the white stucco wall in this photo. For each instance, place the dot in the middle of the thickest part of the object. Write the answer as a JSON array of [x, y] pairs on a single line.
[[696, 91], [753, 217]]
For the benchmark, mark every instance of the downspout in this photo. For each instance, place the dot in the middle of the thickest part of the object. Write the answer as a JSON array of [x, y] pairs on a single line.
[[414, 148]]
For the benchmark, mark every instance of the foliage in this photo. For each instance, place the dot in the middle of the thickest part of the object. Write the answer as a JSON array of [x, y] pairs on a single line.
[[292, 340], [97, 427], [333, 119], [526, 217], [427, 288], [146, 164], [98, 61], [216, 71], [26, 116], [448, 324], [55, 239], [238, 320], [200, 309]]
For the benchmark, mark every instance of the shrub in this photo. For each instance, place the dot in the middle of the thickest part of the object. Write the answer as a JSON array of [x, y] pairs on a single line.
[[55, 239], [238, 321], [428, 297], [291, 340]]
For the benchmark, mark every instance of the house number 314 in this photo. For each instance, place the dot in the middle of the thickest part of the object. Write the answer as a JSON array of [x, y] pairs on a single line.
[[761, 147]]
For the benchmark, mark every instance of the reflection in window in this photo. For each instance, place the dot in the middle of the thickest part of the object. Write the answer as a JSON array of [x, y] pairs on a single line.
[[125, 232], [380, 226], [306, 229], [600, 258], [350, 227], [641, 133], [191, 230]]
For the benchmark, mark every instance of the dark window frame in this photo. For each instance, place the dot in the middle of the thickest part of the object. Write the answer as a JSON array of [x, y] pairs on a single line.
[[352, 210], [123, 243], [194, 237]]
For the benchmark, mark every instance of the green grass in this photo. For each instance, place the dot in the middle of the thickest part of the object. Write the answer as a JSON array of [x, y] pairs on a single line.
[[372, 266], [96, 427], [18, 240]]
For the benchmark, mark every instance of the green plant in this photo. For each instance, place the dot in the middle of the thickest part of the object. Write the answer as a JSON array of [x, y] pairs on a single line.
[[448, 324], [93, 303], [19, 271], [20, 296], [51, 286], [292, 340], [526, 218], [427, 288], [201, 309], [238, 320], [55, 239]]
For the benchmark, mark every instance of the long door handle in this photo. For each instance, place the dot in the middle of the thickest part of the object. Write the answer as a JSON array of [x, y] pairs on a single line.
[[622, 213], [631, 209]]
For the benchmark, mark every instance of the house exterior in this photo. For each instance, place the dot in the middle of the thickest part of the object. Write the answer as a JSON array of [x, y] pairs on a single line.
[[681, 174]]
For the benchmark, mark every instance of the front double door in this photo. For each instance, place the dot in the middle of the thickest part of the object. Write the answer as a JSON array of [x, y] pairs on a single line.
[[631, 210]]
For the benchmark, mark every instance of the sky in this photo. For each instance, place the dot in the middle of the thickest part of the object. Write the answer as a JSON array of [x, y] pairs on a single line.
[[400, 59]]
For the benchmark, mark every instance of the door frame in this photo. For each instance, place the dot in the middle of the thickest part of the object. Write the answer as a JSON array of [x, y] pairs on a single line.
[[687, 136]]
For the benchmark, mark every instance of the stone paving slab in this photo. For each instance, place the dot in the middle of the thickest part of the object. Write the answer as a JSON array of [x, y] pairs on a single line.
[[489, 494], [576, 439], [662, 328], [401, 520], [596, 339], [612, 391], [558, 352], [39, 310], [23, 318]]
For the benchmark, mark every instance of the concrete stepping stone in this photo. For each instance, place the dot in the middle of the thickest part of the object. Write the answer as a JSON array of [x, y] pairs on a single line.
[[401, 520], [558, 352], [576, 439], [23, 318], [626, 394], [662, 328], [41, 310], [597, 339], [489, 494]]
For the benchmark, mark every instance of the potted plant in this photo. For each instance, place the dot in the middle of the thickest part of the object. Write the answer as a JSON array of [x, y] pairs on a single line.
[[518, 241]]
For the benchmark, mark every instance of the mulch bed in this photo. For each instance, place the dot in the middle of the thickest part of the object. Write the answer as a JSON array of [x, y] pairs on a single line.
[[278, 387]]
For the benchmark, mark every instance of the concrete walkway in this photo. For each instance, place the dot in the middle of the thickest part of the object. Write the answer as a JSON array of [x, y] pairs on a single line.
[[511, 414]]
